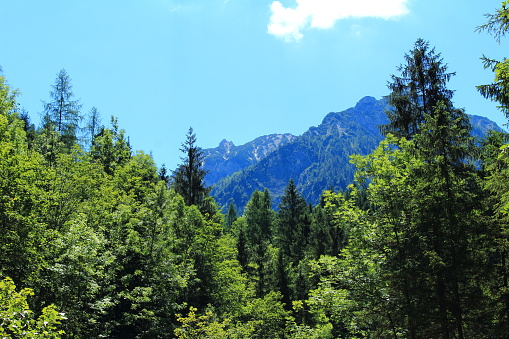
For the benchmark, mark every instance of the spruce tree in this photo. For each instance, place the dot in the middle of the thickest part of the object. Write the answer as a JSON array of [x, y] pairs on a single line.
[[426, 223], [292, 223], [417, 91], [231, 216], [259, 219], [188, 178]]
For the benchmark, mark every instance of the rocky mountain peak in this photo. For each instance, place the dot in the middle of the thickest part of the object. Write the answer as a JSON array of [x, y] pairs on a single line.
[[226, 145]]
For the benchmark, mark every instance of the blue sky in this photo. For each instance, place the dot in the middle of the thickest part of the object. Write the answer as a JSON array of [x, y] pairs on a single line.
[[233, 69]]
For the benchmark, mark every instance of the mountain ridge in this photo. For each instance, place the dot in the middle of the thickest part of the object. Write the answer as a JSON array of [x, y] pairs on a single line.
[[316, 160]]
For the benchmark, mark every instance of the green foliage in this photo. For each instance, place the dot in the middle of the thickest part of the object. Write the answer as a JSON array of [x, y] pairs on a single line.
[[498, 91], [205, 326], [18, 321], [426, 226], [22, 174], [231, 216], [110, 147], [78, 274], [255, 238]]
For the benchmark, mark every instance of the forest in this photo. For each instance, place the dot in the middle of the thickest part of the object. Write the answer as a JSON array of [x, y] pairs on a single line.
[[96, 241]]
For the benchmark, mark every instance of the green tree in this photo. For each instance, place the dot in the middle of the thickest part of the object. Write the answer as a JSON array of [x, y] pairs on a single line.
[[231, 216], [293, 223], [21, 194], [424, 196], [62, 113], [111, 147], [29, 127], [427, 228], [497, 26], [259, 218], [188, 178], [449, 217], [417, 91], [92, 128], [324, 237], [78, 276], [347, 300]]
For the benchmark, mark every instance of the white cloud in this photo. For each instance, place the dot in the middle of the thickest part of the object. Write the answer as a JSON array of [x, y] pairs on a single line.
[[288, 23]]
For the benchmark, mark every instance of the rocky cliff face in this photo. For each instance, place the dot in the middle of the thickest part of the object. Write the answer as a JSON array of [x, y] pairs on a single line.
[[227, 158]]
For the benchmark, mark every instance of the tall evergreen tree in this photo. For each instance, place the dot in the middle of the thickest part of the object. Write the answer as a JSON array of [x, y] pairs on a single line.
[[446, 216], [292, 223], [425, 217], [259, 218], [417, 91], [188, 178], [231, 216], [92, 128], [163, 175], [29, 127], [62, 113]]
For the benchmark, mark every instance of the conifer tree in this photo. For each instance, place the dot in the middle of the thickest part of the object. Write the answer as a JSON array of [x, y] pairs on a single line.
[[417, 91], [259, 219], [62, 113], [423, 193], [188, 178], [93, 127], [292, 223], [231, 216]]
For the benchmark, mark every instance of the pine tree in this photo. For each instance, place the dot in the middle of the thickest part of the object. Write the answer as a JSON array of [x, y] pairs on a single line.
[[188, 178]]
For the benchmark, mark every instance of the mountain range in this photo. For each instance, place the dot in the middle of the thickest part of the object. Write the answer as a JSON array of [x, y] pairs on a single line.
[[316, 160]]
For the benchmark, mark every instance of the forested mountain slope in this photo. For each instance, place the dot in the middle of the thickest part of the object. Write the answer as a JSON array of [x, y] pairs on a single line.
[[317, 160]]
